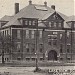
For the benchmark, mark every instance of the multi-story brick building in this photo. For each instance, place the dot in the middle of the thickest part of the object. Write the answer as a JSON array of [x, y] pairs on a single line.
[[42, 30]]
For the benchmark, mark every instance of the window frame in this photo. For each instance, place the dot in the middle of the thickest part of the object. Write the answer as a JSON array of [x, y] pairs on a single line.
[[27, 34]]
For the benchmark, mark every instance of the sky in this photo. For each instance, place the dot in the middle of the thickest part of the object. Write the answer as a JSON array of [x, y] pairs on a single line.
[[64, 6]]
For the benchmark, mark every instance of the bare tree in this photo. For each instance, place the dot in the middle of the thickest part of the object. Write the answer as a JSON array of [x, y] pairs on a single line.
[[6, 43]]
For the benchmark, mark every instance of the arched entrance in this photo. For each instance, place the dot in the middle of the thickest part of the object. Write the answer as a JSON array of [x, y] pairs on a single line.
[[52, 55]]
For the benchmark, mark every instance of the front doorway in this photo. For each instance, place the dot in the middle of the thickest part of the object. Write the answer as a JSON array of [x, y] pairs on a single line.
[[52, 55]]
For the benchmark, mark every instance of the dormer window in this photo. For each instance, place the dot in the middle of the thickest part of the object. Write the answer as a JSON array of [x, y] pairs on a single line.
[[3, 23], [27, 34], [30, 22], [59, 24], [55, 24], [26, 22], [49, 24], [34, 22], [70, 24]]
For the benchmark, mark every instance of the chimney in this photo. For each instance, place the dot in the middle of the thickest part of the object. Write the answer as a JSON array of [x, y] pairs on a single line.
[[53, 7], [16, 8], [45, 3], [30, 2]]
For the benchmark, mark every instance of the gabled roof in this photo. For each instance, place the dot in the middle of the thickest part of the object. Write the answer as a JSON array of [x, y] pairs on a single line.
[[71, 18], [66, 25], [49, 14], [62, 15], [6, 18]]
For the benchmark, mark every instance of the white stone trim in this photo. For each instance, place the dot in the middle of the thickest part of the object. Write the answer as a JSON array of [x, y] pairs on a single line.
[[54, 30], [26, 28]]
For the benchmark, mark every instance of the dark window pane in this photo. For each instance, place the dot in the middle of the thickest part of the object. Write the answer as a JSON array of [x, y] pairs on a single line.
[[27, 49], [41, 50]]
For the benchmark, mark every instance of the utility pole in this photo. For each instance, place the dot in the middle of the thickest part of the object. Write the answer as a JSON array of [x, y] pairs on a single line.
[[36, 48], [71, 44], [43, 45]]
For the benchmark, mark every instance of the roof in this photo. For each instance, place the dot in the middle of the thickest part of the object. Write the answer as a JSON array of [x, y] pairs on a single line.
[[6, 18], [66, 25], [41, 24], [40, 12], [62, 15], [71, 18], [31, 11]]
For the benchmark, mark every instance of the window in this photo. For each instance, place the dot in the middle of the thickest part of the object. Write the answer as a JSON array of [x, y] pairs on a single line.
[[27, 50], [49, 42], [41, 47], [19, 58], [33, 59], [55, 24], [34, 22], [41, 59], [27, 47], [61, 48], [59, 24], [49, 37], [60, 36], [7, 32], [55, 33], [32, 34], [33, 48], [18, 34], [49, 24], [18, 50], [18, 45], [40, 34], [26, 22], [27, 59], [68, 48], [3, 33], [5, 59], [68, 51], [40, 50], [54, 42], [67, 34], [52, 24], [61, 59], [69, 24], [54, 37], [30, 22], [27, 34], [68, 58]]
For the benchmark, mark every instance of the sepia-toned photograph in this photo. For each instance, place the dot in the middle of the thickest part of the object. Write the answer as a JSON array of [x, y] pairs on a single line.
[[37, 37]]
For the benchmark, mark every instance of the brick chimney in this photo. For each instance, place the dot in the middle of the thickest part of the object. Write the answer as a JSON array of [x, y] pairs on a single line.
[[53, 7], [30, 2], [16, 8], [45, 3]]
